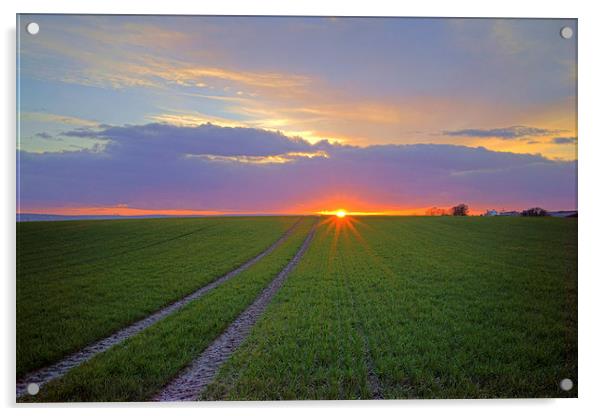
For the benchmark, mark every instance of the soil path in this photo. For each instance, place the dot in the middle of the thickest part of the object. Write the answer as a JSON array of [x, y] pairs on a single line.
[[59, 369], [194, 378]]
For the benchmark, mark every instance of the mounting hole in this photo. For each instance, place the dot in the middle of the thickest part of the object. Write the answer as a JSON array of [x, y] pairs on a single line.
[[566, 384], [32, 28], [33, 388], [566, 32]]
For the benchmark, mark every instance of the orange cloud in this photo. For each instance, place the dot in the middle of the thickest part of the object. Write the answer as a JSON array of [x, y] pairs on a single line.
[[296, 104], [262, 160], [121, 209], [57, 118]]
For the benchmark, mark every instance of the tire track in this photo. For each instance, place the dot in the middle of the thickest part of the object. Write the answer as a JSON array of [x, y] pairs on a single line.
[[376, 390], [196, 377], [59, 369]]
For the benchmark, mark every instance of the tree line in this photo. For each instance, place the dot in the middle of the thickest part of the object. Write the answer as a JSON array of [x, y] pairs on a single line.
[[462, 210]]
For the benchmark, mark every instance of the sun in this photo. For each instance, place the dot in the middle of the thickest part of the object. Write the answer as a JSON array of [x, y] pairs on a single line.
[[341, 213]]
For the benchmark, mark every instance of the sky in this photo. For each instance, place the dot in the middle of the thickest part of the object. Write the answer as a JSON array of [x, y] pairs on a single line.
[[138, 115]]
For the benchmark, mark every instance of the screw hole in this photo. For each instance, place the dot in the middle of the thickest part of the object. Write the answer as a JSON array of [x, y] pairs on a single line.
[[566, 384], [566, 32], [33, 388], [32, 28]]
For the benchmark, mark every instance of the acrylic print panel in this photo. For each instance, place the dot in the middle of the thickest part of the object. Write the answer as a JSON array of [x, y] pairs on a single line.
[[295, 208]]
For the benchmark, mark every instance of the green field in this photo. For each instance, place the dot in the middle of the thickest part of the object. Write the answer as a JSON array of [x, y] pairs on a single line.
[[379, 307], [419, 308], [135, 369], [79, 281]]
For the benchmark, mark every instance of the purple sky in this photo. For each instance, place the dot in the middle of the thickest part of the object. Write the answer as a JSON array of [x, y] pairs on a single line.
[[147, 114], [158, 166]]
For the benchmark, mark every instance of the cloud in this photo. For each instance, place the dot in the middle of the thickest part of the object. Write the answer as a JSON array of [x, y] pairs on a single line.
[[205, 139], [509, 133], [261, 160], [564, 140], [56, 118], [212, 168], [127, 61], [44, 135], [234, 72]]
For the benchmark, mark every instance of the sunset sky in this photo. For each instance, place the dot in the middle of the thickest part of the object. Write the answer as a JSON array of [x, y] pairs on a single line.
[[143, 114]]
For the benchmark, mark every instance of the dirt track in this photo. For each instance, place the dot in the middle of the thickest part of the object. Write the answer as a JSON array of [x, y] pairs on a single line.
[[193, 379], [59, 369]]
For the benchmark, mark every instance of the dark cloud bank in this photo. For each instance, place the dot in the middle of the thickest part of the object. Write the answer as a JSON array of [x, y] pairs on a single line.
[[159, 166]]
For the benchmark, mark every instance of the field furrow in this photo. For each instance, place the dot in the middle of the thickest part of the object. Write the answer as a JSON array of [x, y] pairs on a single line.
[[306, 345], [72, 304], [138, 367], [44, 375], [191, 382], [377, 307], [484, 318], [434, 308]]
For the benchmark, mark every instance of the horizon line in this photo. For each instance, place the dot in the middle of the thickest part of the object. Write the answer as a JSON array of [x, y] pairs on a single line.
[[259, 214]]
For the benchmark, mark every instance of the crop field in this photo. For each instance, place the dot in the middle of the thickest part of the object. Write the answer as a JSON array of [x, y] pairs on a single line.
[[78, 281], [418, 308], [376, 308]]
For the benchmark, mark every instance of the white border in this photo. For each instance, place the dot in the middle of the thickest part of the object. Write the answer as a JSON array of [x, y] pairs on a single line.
[[590, 200]]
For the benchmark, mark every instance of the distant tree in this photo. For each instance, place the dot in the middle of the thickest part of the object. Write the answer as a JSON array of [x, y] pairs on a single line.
[[434, 211], [534, 212], [460, 210]]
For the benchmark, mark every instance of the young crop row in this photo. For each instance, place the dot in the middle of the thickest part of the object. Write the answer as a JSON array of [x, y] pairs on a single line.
[[307, 345], [140, 366], [418, 307], [131, 269], [45, 246]]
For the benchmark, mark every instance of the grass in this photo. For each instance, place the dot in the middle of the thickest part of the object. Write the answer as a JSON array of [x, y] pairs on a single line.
[[135, 369], [79, 281], [307, 333], [418, 308]]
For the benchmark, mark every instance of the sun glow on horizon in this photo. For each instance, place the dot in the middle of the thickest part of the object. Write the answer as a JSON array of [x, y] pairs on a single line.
[[341, 213]]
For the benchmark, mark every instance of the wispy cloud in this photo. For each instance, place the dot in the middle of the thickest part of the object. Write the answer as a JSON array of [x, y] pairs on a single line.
[[509, 133], [564, 140], [57, 118], [44, 135], [333, 84], [262, 160]]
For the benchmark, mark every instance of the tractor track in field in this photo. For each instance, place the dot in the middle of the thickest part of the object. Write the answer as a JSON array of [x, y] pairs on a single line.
[[60, 368], [373, 381], [376, 390], [193, 379]]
